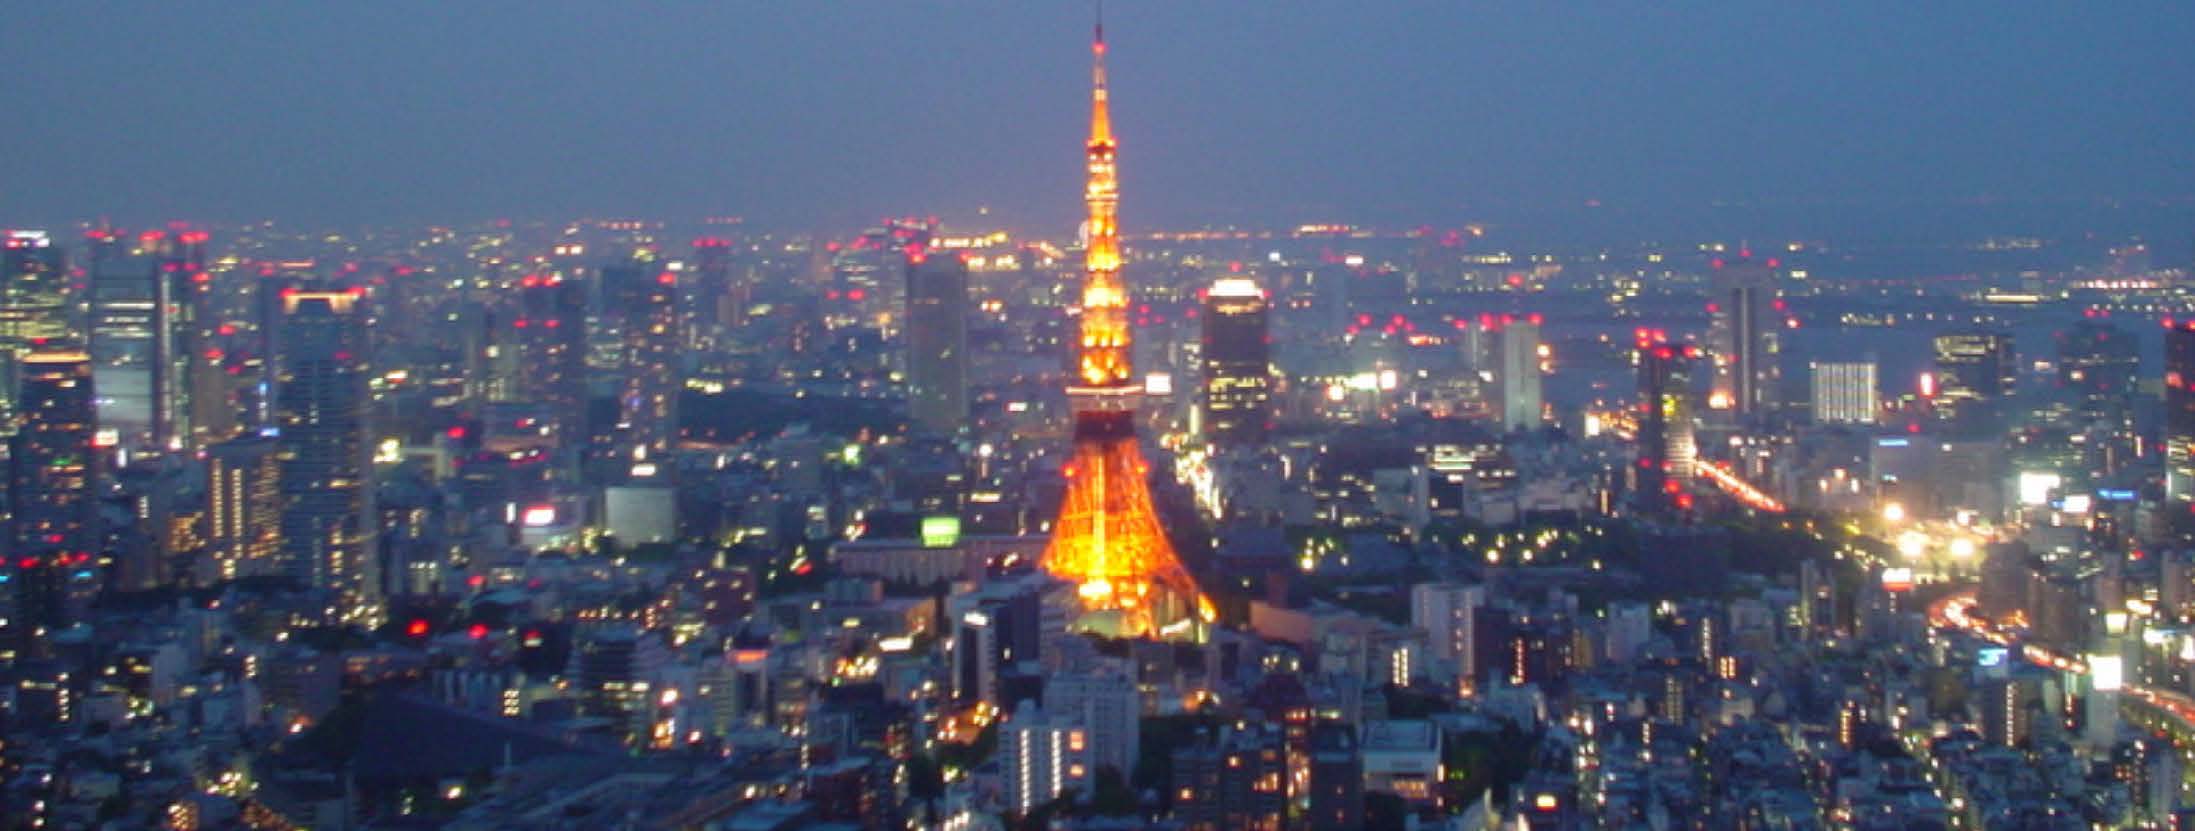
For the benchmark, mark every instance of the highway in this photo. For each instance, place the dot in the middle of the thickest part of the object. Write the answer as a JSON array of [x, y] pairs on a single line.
[[1954, 612]]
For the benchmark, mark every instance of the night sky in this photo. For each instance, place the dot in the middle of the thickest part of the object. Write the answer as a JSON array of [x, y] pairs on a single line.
[[800, 115]]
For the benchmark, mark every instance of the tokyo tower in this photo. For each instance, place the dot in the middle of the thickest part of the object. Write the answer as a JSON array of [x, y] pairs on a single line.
[[1107, 539]]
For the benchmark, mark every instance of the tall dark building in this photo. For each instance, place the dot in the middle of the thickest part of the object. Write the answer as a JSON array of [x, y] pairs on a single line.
[[1337, 779], [937, 342], [149, 297], [125, 304], [1749, 326], [53, 532], [723, 297], [1667, 449], [323, 450], [1976, 374], [2099, 368], [1234, 780], [552, 348], [2179, 426], [1237, 382], [640, 299], [34, 308]]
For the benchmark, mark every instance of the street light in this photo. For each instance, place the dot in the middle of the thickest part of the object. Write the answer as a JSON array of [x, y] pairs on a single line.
[[1962, 548], [1893, 512], [1912, 544]]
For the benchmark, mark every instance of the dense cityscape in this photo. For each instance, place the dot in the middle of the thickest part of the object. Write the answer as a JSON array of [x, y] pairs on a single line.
[[692, 523]]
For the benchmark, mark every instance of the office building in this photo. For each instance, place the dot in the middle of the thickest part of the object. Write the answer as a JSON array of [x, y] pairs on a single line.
[[2179, 427], [640, 302], [326, 474], [34, 312], [2099, 373], [1042, 757], [1666, 444], [1237, 370], [1234, 779], [1747, 307], [53, 531], [1844, 392], [1976, 374], [1105, 702], [1512, 347], [125, 305], [243, 509], [1446, 612], [551, 329], [937, 342], [722, 297]]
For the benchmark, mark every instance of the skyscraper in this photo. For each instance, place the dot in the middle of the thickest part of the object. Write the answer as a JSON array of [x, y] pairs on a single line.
[[125, 304], [724, 297], [1844, 392], [640, 299], [326, 467], [1513, 347], [1746, 305], [243, 509], [1976, 372], [1107, 539], [187, 364], [2179, 426], [33, 306], [1665, 432], [937, 341], [552, 348], [2099, 368], [53, 533], [148, 299], [1238, 393]]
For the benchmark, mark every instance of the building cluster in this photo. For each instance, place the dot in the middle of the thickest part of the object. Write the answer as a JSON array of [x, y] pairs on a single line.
[[647, 525]]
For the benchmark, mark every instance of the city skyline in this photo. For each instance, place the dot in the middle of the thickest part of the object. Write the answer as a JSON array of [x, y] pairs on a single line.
[[696, 518]]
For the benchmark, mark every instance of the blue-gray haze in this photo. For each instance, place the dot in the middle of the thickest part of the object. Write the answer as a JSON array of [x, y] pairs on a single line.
[[1675, 117]]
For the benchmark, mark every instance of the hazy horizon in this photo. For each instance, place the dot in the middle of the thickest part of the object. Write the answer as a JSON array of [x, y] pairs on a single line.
[[1849, 118]]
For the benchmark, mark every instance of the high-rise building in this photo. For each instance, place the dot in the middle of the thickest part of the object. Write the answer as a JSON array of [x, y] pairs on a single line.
[[187, 361], [1976, 372], [325, 457], [1238, 364], [1749, 323], [640, 299], [125, 305], [1042, 757], [1446, 613], [1233, 780], [34, 309], [1844, 392], [2099, 367], [937, 341], [2179, 426], [53, 532], [1337, 779], [1666, 445], [724, 297], [1512, 364], [1106, 702], [243, 509], [552, 349], [1107, 539], [149, 296]]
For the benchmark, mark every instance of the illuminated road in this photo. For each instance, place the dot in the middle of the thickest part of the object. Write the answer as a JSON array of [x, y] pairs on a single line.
[[1738, 488], [1953, 612]]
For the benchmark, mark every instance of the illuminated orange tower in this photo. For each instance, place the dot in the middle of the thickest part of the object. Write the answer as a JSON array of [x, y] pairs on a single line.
[[1107, 539]]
